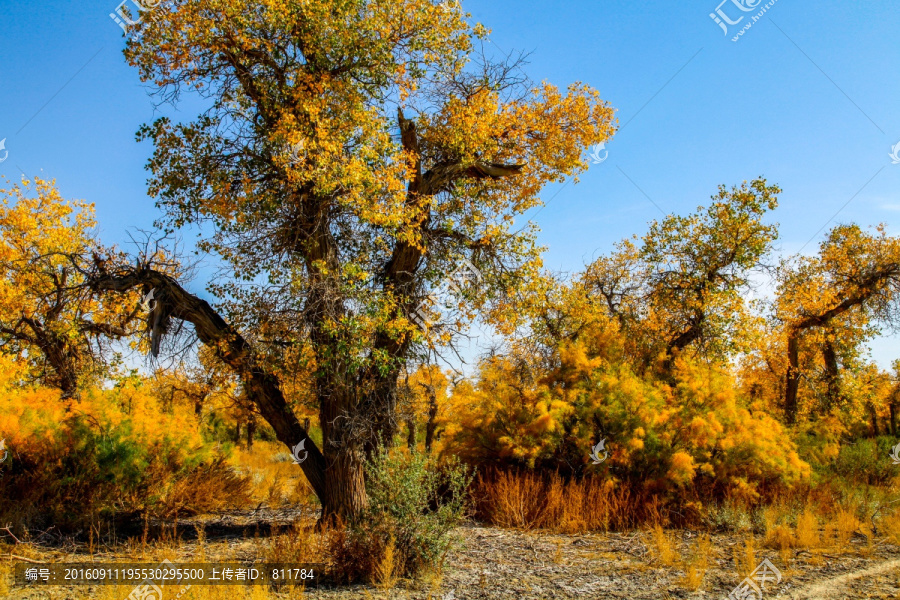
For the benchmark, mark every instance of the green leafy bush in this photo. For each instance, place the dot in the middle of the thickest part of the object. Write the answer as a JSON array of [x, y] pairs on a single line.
[[414, 504], [866, 461]]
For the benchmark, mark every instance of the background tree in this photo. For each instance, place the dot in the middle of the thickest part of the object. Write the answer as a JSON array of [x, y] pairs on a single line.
[[426, 401], [683, 286], [831, 303], [351, 154], [893, 397], [48, 319]]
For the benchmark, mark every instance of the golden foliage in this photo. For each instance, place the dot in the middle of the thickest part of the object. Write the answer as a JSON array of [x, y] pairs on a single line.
[[665, 437], [48, 321]]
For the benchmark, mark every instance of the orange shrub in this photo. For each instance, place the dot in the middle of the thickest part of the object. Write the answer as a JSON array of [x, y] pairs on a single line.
[[113, 452], [675, 439]]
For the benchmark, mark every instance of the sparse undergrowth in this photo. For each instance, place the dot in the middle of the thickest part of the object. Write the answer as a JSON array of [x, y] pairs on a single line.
[[495, 563], [414, 505]]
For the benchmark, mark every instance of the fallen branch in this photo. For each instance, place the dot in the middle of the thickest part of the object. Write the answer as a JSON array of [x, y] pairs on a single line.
[[30, 560], [7, 530]]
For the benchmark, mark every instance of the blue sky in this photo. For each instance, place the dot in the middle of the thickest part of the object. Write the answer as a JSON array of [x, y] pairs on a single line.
[[807, 97]]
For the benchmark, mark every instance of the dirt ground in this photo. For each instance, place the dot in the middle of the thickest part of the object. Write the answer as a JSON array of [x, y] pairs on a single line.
[[492, 563]]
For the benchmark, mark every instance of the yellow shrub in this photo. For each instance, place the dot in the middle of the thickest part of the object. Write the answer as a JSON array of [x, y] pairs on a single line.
[[112, 450]]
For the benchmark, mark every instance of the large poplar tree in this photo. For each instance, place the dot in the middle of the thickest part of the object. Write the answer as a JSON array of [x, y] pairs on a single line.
[[351, 155]]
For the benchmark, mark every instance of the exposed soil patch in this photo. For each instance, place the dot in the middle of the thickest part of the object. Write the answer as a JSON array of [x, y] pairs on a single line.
[[494, 563]]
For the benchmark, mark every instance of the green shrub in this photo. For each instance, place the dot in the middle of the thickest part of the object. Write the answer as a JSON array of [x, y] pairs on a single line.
[[867, 461], [414, 505]]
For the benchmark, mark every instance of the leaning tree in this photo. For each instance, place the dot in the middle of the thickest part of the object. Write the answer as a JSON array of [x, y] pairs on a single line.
[[49, 320], [836, 300], [350, 154]]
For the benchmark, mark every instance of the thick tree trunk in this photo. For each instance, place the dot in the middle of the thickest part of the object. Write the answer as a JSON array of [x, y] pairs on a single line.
[[874, 414], [411, 434], [832, 375], [342, 443], [431, 425], [792, 383], [345, 494]]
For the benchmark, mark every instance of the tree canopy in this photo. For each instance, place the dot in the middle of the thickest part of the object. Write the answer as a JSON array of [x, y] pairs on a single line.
[[352, 153]]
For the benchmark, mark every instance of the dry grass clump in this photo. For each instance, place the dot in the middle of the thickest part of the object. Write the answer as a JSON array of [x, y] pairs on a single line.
[[696, 566], [890, 526], [208, 488], [385, 575], [745, 557], [273, 477], [693, 561], [352, 555], [528, 500], [664, 547], [845, 524]]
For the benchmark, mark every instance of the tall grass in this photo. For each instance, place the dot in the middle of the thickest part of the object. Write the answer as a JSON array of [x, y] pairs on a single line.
[[273, 478], [527, 500]]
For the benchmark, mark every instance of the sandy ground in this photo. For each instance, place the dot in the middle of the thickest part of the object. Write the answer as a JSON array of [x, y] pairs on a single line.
[[492, 563]]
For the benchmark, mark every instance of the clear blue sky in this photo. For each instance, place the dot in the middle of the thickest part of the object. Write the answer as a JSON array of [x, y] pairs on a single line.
[[809, 97]]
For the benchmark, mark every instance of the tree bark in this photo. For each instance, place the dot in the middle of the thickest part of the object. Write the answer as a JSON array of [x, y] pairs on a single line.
[[832, 375], [431, 425], [261, 386], [792, 383], [411, 434], [343, 437]]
